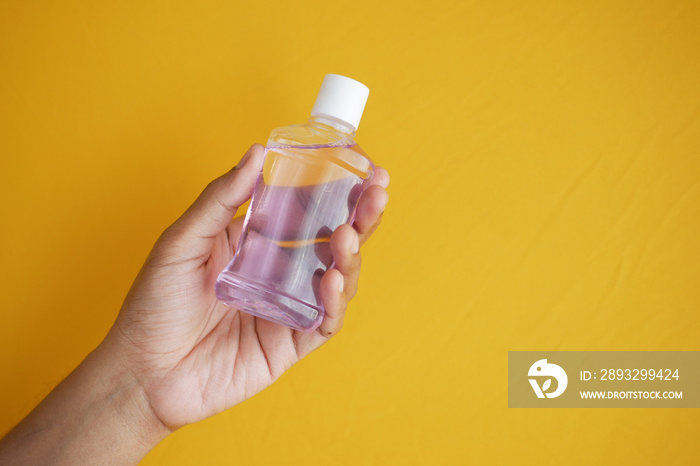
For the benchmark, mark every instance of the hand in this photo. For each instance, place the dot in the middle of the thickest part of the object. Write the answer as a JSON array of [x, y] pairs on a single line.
[[175, 354], [193, 355]]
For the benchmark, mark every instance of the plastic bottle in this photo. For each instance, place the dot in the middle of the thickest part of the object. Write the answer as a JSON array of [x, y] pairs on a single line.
[[312, 177]]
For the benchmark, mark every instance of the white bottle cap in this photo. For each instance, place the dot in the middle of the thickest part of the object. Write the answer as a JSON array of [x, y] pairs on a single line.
[[342, 98]]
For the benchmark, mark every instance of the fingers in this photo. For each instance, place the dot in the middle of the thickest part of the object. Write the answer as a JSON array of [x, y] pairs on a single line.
[[381, 177], [234, 230], [334, 302], [369, 212], [212, 211], [339, 284], [371, 205], [345, 248]]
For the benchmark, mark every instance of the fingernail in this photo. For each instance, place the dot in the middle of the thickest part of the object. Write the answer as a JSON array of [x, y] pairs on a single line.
[[355, 247], [244, 159], [341, 285], [386, 183]]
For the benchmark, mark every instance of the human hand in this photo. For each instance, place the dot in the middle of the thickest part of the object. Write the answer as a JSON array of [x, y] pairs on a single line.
[[193, 355]]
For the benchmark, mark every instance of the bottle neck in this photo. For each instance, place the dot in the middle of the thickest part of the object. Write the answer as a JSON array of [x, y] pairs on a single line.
[[335, 123]]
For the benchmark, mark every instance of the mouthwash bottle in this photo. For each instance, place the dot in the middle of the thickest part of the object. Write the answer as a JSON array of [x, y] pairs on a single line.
[[312, 177]]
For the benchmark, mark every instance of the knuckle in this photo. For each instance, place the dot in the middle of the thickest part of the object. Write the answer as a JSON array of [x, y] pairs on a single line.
[[170, 234], [358, 261], [352, 266], [211, 186]]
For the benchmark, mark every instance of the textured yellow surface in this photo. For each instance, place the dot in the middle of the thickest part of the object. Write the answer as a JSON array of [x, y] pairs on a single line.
[[545, 161]]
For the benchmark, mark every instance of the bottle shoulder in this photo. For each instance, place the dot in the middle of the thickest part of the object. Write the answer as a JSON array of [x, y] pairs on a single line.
[[307, 134], [312, 142]]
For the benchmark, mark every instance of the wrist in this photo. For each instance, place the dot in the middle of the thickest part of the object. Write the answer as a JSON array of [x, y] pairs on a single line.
[[125, 394], [99, 414]]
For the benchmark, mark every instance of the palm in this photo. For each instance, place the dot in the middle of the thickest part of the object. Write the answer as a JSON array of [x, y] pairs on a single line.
[[196, 355]]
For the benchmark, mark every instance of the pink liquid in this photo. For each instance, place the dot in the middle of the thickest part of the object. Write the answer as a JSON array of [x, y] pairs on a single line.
[[284, 249]]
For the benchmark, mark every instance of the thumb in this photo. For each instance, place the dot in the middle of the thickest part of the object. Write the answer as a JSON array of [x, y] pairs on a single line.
[[212, 211]]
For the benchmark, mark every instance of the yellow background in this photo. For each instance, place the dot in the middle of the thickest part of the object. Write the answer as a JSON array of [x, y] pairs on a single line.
[[545, 196]]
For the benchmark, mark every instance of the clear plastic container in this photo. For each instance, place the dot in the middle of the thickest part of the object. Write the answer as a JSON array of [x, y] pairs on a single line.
[[312, 177]]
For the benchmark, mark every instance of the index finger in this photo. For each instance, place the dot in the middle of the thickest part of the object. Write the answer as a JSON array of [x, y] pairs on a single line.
[[371, 205]]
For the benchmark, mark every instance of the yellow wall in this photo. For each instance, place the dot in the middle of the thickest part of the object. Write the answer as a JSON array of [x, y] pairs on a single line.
[[545, 196]]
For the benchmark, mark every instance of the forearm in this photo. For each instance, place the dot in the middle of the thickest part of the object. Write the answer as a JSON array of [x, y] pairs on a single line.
[[97, 415]]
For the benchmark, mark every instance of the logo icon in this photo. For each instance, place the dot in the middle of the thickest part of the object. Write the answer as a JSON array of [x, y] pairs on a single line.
[[543, 369]]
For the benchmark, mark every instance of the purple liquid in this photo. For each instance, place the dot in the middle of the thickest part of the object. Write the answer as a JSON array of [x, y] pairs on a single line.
[[300, 198]]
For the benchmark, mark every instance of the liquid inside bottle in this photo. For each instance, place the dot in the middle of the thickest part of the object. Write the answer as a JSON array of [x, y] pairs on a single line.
[[312, 178]]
